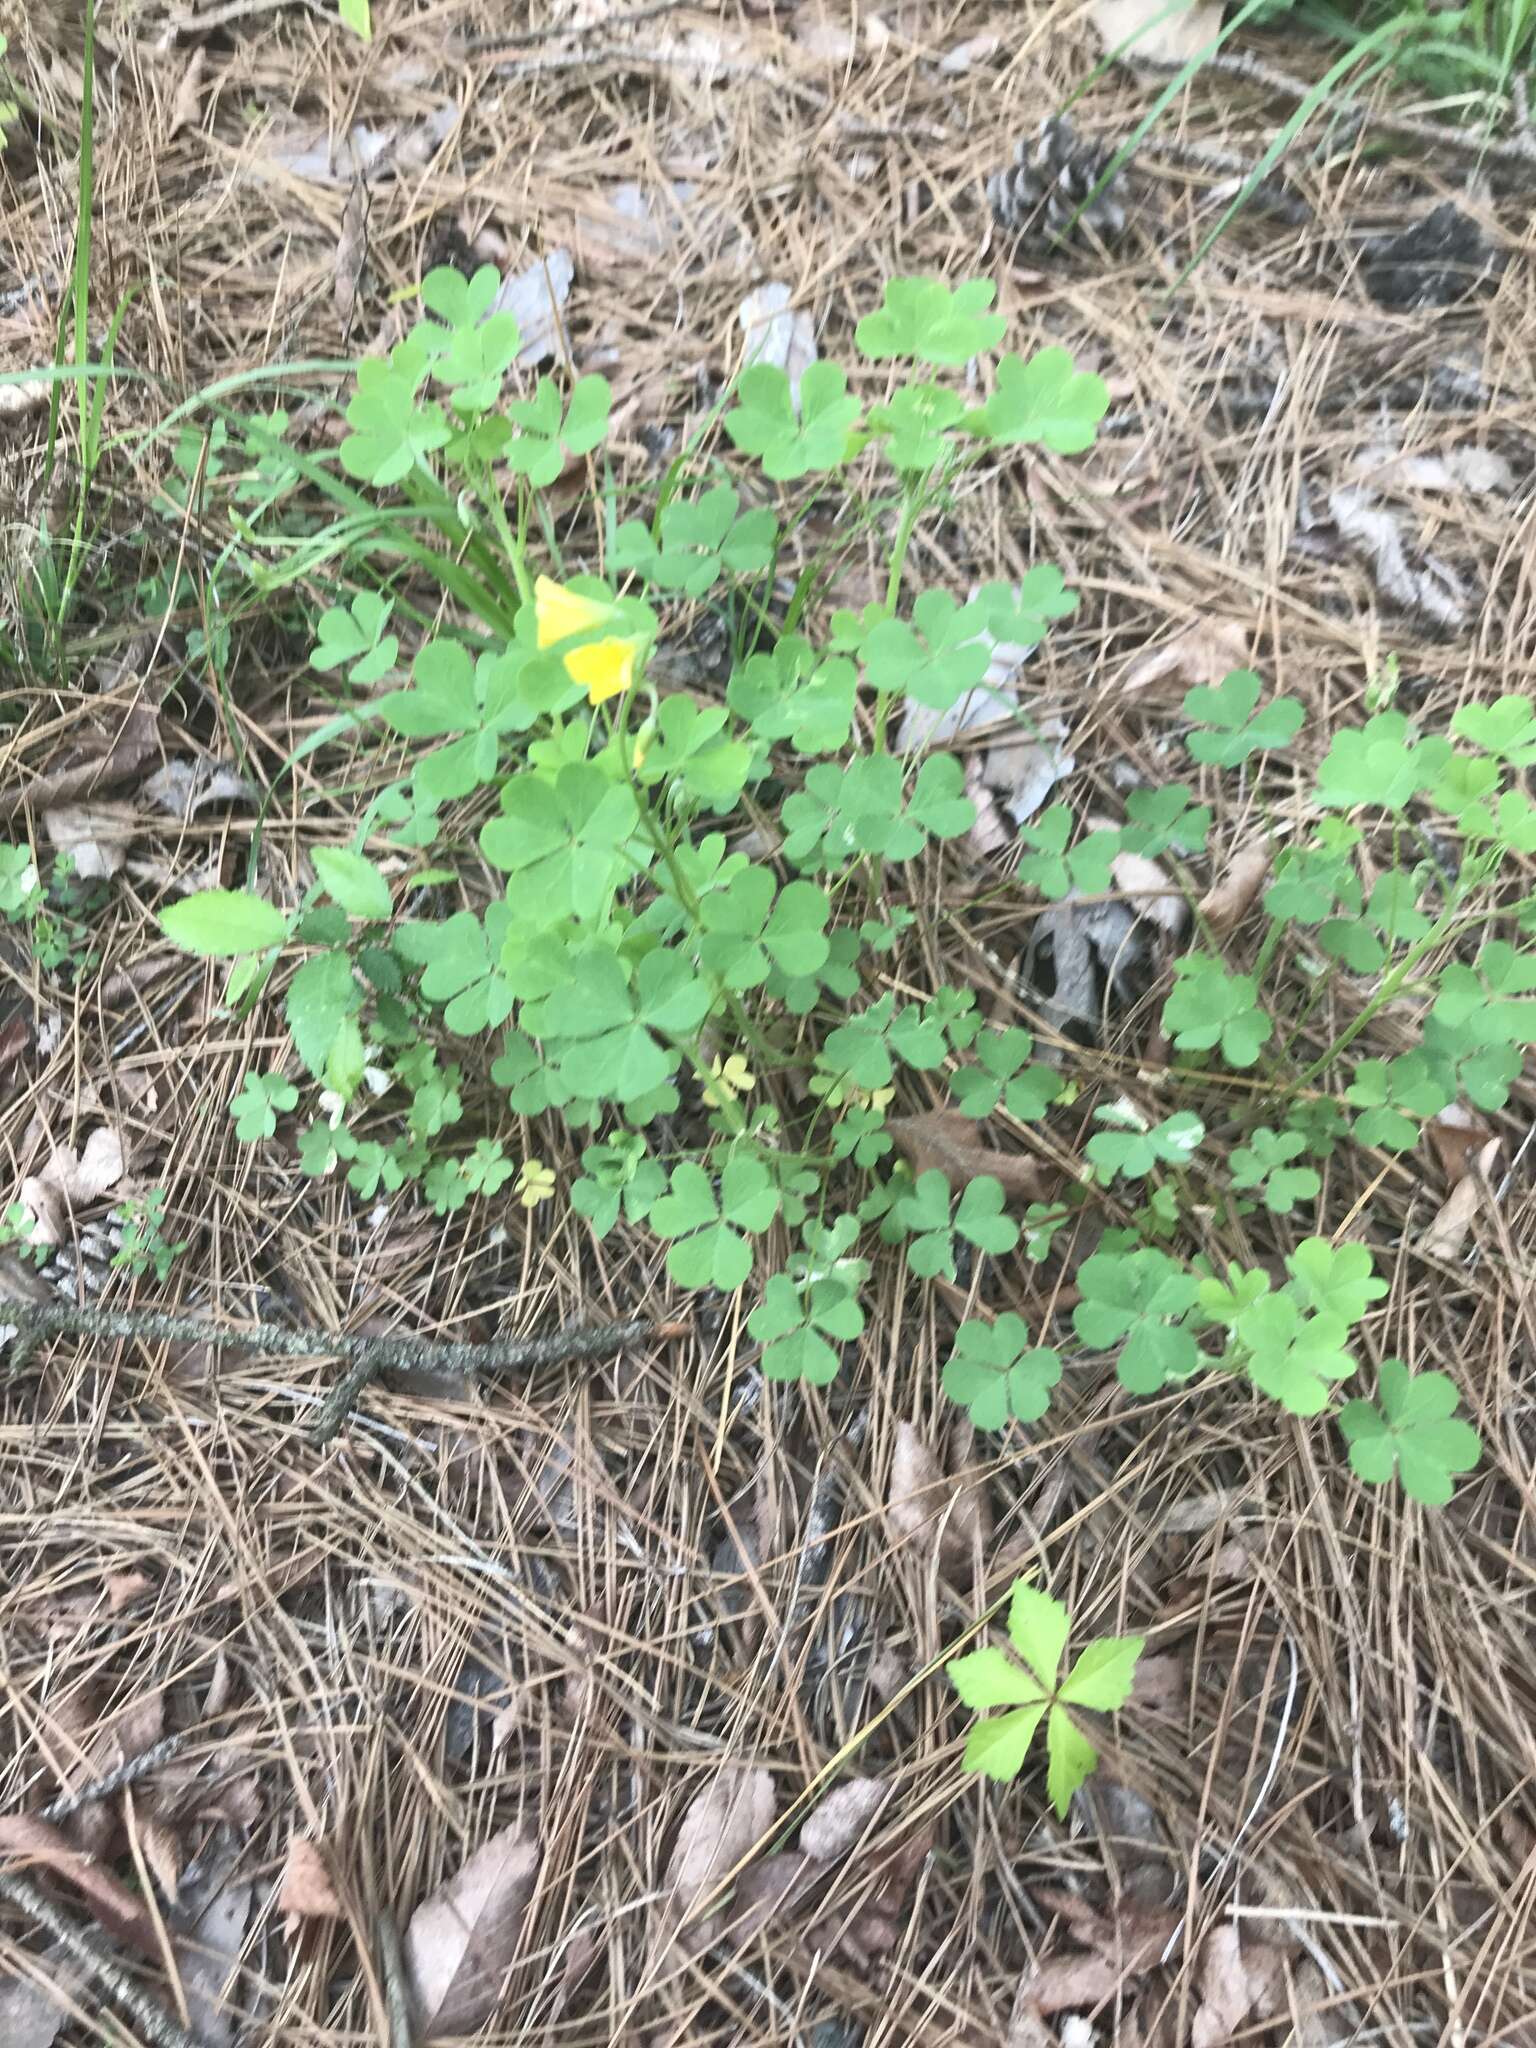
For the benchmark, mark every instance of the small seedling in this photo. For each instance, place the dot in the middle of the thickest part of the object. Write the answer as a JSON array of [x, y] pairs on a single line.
[[144, 1244], [1033, 1690]]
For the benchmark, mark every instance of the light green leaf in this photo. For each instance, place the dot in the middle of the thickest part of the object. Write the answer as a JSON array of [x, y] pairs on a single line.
[[219, 923], [353, 882], [1038, 1627], [1101, 1678], [357, 15], [1071, 1759], [990, 1678], [998, 1745]]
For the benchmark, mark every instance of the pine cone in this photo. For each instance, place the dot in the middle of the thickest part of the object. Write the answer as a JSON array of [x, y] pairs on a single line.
[[1045, 195], [80, 1275]]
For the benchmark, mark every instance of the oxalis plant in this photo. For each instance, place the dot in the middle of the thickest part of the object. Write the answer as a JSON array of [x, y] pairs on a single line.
[[698, 945]]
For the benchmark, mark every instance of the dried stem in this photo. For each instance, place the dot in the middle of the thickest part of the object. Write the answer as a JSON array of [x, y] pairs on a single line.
[[154, 2023], [367, 1356]]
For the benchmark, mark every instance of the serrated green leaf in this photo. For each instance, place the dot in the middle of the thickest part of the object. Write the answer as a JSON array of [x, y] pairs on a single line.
[[998, 1745], [220, 924], [353, 882], [1038, 1627], [1072, 1758], [1102, 1676], [990, 1678]]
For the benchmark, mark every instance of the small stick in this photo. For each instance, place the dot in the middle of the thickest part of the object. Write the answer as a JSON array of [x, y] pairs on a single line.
[[397, 1997], [127, 1773], [152, 2020], [368, 1356]]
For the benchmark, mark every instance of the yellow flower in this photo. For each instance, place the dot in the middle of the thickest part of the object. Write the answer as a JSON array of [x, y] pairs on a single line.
[[604, 668], [535, 1183], [730, 1078]]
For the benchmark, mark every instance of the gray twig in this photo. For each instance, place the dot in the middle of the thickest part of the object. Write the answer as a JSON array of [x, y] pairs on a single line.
[[152, 2020], [368, 1356], [397, 1996], [128, 1773]]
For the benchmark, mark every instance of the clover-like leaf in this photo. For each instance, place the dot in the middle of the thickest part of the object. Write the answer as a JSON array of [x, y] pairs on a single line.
[[1293, 1358], [1134, 1147], [1383, 763], [1506, 727], [1137, 1300], [927, 321], [1264, 1162], [1334, 1279], [1234, 727], [256, 1105], [711, 1228], [1414, 1431], [356, 634], [1057, 869], [1209, 1007], [1046, 402], [997, 1375], [788, 442], [799, 1324]]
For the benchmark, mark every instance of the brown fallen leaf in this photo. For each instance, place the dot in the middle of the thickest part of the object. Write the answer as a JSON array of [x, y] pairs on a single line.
[[95, 836], [1448, 1233], [1153, 893], [307, 1891], [188, 94], [847, 1810], [1204, 653], [1161, 1682], [722, 1826], [122, 1590], [71, 1181], [351, 251], [1119, 1945], [1456, 1135], [923, 1503], [1236, 1980], [461, 1941], [165, 1854], [1229, 899], [97, 763], [877, 1926], [26, 1842], [945, 1141], [777, 1889]]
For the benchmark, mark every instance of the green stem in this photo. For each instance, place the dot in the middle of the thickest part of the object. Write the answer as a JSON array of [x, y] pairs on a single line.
[[1442, 929], [911, 512]]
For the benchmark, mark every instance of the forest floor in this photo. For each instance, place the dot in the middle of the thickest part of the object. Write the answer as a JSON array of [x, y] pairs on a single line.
[[625, 1622]]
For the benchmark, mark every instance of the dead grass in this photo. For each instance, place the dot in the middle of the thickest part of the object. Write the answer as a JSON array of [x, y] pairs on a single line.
[[575, 1604]]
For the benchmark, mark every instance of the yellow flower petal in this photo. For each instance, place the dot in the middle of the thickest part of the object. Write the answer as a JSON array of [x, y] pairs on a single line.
[[558, 612], [604, 668]]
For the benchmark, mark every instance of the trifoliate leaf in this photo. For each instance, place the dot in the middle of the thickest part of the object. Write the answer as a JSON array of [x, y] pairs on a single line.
[[1045, 402], [1414, 1432], [925, 320]]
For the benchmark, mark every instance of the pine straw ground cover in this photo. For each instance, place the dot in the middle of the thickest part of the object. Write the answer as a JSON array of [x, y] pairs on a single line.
[[632, 1621]]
